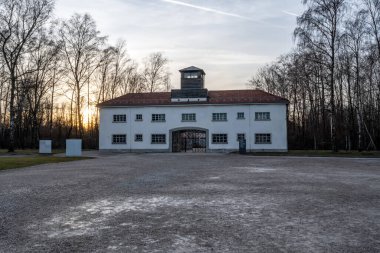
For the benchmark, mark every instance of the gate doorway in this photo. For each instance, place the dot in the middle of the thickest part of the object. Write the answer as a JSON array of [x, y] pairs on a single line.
[[189, 140]]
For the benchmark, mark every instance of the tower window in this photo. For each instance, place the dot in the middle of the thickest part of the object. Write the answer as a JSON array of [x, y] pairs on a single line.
[[191, 75]]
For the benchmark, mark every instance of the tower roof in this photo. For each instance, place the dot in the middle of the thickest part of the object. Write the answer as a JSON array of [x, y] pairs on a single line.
[[192, 69]]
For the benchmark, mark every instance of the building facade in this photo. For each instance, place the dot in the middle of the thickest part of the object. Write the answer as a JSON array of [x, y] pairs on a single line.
[[193, 119]]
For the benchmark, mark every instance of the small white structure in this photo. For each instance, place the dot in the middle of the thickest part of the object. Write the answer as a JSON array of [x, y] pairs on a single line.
[[193, 119], [45, 147], [73, 147]]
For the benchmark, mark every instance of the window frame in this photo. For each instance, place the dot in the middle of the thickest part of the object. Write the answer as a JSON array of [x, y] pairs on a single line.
[[220, 138], [156, 117], [262, 118], [191, 75], [118, 136], [216, 117], [156, 135], [116, 118], [240, 113], [137, 119], [188, 119], [262, 135], [137, 139]]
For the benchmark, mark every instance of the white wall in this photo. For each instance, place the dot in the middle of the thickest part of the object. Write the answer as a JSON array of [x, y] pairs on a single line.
[[277, 126]]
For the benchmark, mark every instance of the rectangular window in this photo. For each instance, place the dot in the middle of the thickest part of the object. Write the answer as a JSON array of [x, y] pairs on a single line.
[[263, 139], [240, 115], [219, 117], [188, 117], [138, 137], [158, 138], [220, 139], [191, 75], [139, 117], [240, 137], [119, 118], [119, 139], [158, 117], [262, 116]]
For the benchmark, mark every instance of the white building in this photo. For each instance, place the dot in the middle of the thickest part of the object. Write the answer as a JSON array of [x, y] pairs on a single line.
[[194, 119]]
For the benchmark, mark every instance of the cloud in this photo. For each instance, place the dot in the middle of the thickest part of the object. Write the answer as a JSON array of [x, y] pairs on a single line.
[[290, 13], [206, 9]]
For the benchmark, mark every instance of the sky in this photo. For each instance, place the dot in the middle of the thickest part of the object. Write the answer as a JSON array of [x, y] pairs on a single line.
[[229, 39]]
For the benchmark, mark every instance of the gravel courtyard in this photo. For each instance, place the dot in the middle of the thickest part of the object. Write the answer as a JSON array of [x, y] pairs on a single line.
[[192, 203]]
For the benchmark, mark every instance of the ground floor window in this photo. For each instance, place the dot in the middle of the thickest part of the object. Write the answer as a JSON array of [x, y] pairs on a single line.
[[240, 137], [138, 137], [119, 139], [263, 139], [220, 139], [158, 138]]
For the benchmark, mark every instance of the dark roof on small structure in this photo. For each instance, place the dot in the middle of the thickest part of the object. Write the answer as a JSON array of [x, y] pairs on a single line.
[[214, 97], [192, 69]]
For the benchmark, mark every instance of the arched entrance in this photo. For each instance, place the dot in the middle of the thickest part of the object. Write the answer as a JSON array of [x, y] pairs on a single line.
[[189, 140]]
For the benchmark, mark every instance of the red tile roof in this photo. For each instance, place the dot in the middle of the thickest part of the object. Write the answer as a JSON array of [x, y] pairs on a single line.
[[214, 97]]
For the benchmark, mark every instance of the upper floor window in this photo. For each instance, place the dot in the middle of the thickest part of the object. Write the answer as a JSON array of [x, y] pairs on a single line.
[[158, 117], [191, 75], [219, 138], [263, 138], [240, 115], [158, 138], [188, 117], [262, 116], [119, 139], [219, 116], [119, 118], [139, 117]]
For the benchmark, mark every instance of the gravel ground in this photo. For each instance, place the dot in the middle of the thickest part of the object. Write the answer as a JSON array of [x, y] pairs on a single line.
[[192, 203]]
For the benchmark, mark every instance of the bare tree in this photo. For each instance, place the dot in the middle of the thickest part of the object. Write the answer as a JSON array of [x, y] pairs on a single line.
[[81, 45], [354, 40], [19, 21], [155, 74], [373, 9], [319, 30], [40, 76]]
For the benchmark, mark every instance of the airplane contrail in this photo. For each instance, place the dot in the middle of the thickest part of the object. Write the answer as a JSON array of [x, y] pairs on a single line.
[[206, 9], [290, 13]]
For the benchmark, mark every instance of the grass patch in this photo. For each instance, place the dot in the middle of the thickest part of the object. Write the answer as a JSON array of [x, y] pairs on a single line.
[[19, 162], [321, 153], [4, 152]]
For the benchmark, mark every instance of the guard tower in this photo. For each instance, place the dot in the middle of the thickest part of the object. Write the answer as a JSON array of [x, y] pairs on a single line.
[[192, 86], [192, 78]]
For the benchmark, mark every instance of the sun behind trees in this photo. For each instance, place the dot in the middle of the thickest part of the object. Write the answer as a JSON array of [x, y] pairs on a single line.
[[54, 72], [332, 78]]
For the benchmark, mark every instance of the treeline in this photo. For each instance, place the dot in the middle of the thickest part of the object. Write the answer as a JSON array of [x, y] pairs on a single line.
[[54, 72], [332, 78]]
